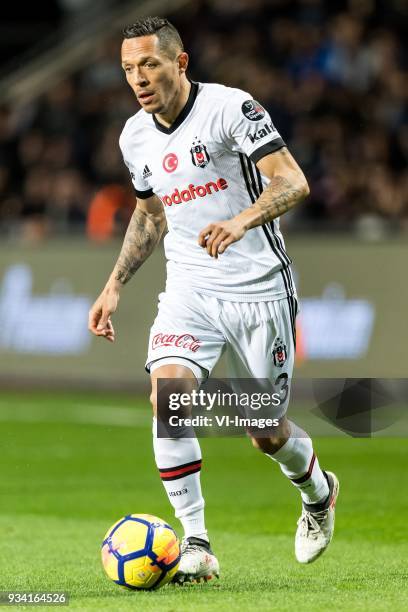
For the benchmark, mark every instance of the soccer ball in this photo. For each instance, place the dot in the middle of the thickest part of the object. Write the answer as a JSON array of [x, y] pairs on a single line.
[[140, 551]]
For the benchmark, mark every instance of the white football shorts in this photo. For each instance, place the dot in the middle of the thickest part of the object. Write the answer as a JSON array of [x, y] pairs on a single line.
[[195, 329]]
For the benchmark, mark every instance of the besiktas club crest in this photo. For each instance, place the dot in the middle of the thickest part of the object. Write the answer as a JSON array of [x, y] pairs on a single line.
[[279, 353], [199, 154]]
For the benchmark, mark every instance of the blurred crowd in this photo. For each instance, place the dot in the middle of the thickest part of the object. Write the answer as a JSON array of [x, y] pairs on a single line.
[[333, 76]]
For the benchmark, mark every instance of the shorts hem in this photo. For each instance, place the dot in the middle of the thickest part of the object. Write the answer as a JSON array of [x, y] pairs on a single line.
[[149, 363]]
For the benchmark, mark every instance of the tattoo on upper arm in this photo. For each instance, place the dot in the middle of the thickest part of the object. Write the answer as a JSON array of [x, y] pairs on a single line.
[[142, 235], [278, 197]]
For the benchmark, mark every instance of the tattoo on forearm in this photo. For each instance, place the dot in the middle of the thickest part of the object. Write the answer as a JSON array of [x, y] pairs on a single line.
[[278, 197], [141, 237]]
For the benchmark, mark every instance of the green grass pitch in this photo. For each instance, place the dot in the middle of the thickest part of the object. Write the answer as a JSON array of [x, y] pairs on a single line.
[[71, 465]]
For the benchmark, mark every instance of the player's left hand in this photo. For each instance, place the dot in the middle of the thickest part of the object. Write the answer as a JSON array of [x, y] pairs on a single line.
[[217, 237]]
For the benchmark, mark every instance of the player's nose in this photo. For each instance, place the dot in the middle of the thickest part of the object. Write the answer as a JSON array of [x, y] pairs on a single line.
[[140, 79]]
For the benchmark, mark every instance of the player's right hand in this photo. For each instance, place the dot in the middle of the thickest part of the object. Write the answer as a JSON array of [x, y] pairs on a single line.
[[99, 322]]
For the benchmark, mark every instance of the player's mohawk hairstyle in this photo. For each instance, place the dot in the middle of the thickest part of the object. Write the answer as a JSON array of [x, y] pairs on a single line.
[[169, 39]]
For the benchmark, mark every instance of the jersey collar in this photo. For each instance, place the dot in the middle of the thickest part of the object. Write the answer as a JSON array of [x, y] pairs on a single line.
[[182, 115]]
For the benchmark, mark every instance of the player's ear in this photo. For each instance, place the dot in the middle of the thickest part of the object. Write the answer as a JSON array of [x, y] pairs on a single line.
[[182, 61]]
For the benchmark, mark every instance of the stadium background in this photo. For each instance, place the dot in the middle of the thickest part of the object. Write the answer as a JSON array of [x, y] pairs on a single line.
[[333, 75]]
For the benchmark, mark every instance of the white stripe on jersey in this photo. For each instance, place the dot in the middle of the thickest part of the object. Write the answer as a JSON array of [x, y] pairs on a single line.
[[202, 168]]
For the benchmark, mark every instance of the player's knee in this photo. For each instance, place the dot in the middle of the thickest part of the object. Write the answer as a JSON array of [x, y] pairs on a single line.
[[168, 399], [274, 441], [268, 445], [168, 384], [161, 396], [153, 401]]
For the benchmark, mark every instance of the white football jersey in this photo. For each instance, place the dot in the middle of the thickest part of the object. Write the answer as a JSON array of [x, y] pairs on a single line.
[[203, 170]]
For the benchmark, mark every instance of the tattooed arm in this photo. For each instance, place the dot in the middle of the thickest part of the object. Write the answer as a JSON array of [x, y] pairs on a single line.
[[143, 233], [287, 187]]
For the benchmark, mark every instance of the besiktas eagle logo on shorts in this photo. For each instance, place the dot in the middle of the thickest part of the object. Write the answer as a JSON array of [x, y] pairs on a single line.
[[252, 110], [279, 353], [199, 154]]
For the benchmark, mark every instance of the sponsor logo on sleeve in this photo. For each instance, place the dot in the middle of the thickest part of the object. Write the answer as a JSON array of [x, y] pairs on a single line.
[[266, 130], [252, 110]]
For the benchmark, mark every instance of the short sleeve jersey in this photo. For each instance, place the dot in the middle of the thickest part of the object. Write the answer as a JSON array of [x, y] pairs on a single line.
[[203, 169]]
